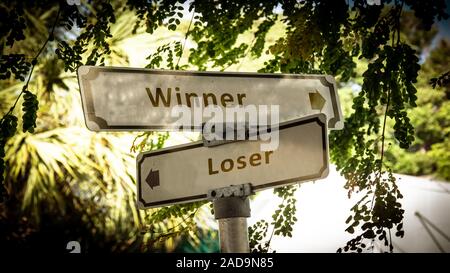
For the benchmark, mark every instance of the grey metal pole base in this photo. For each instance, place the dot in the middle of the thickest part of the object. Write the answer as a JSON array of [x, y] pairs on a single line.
[[233, 235], [232, 213]]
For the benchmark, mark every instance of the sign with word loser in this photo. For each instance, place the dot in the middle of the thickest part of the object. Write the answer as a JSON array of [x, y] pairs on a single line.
[[185, 173], [132, 99]]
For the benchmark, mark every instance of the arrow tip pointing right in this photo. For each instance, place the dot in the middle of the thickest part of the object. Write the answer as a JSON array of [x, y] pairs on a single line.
[[317, 101], [153, 178]]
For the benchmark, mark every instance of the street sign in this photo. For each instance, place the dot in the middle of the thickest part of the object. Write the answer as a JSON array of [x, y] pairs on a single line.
[[132, 99], [185, 173]]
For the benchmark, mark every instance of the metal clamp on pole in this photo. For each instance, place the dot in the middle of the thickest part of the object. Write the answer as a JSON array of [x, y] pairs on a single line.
[[231, 209]]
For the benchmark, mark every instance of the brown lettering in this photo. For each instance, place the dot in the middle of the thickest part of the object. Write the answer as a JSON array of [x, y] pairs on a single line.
[[210, 167]]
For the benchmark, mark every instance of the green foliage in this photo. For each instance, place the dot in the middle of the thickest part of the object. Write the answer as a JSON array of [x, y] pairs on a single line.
[[166, 52], [152, 14], [260, 36], [312, 42], [95, 33], [13, 64], [439, 153], [389, 80], [164, 213], [175, 17], [13, 25], [257, 235], [417, 163], [441, 81], [30, 106], [63, 174], [8, 126], [283, 220], [431, 119], [428, 13], [207, 242], [146, 141], [379, 215], [284, 217]]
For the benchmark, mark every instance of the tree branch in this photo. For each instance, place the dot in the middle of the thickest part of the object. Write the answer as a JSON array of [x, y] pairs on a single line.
[[34, 62]]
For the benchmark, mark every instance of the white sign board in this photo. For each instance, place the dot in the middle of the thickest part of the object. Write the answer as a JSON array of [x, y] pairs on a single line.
[[131, 99], [185, 173]]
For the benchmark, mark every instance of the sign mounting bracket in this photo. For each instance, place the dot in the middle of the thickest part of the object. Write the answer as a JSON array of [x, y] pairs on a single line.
[[243, 190]]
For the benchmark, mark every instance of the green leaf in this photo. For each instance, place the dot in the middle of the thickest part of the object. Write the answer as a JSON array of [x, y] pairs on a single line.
[[348, 219], [369, 234], [8, 126], [30, 106], [350, 230]]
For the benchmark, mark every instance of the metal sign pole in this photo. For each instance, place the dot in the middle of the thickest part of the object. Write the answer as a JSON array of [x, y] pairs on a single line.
[[231, 209]]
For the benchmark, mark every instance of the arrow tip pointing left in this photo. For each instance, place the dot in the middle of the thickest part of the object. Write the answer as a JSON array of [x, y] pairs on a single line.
[[153, 178]]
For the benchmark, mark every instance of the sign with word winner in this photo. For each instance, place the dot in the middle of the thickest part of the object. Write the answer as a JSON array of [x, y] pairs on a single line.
[[133, 99]]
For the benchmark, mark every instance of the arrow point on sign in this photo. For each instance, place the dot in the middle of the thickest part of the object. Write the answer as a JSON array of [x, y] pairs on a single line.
[[152, 178], [317, 101]]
